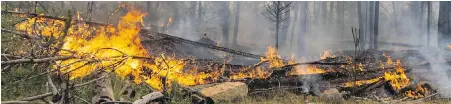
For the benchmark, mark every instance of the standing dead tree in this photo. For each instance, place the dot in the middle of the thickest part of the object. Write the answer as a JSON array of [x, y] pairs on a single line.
[[275, 11]]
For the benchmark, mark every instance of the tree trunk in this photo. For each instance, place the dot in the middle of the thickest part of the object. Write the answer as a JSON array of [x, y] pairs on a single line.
[[277, 23], [296, 10], [303, 28], [193, 10], [236, 24], [395, 17], [444, 22], [199, 14], [331, 12], [340, 19], [361, 26], [371, 24], [225, 24], [421, 24], [286, 23], [376, 25], [428, 36], [324, 12]]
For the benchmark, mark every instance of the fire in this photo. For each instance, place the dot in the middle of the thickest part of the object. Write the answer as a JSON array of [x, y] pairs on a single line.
[[419, 92], [398, 79], [273, 58], [105, 47], [303, 70], [169, 21], [257, 73], [361, 82], [449, 46], [327, 55], [389, 61]]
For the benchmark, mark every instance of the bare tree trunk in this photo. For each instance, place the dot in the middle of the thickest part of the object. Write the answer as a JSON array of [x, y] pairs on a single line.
[[421, 24], [324, 12], [236, 24], [225, 24], [277, 24], [303, 27], [192, 9], [199, 14], [361, 25], [371, 24], [376, 24], [296, 10], [444, 24], [429, 23], [395, 17], [286, 23], [331, 12], [340, 18]]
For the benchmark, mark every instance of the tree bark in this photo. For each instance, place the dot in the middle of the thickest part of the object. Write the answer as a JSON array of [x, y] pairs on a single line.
[[376, 25], [303, 27], [340, 18], [395, 17], [371, 24], [225, 24], [287, 23], [428, 36], [236, 24], [199, 14], [444, 22], [361, 25], [277, 23], [296, 10]]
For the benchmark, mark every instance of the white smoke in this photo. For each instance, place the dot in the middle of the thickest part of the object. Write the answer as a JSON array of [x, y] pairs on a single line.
[[438, 74]]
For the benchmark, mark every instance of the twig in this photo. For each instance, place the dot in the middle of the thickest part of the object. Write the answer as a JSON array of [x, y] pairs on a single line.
[[50, 82], [82, 99], [91, 81], [21, 102], [18, 61], [426, 97], [22, 34], [36, 97], [116, 102]]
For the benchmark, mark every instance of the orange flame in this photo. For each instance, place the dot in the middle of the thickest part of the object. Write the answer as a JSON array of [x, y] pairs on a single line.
[[398, 79], [110, 44], [273, 58], [327, 55], [310, 69], [449, 46], [361, 82], [419, 92]]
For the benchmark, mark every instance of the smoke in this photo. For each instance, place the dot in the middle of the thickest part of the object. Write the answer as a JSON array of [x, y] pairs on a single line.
[[439, 73]]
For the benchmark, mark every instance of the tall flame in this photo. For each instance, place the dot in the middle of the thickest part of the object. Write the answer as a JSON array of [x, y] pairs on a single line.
[[398, 79]]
